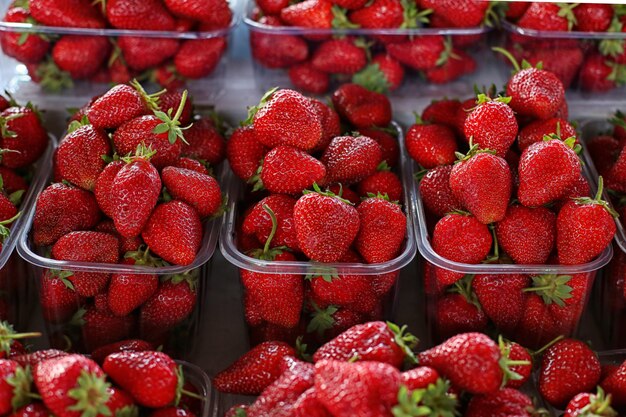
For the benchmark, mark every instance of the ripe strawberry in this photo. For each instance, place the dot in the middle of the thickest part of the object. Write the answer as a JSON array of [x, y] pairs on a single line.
[[527, 235], [172, 302], [599, 74], [58, 301], [436, 193], [14, 386], [79, 156], [379, 14], [94, 52], [502, 403], [585, 227], [384, 73], [382, 230], [482, 182], [456, 65], [492, 125], [325, 225], [307, 404], [142, 54], [361, 107], [200, 191], [431, 145], [568, 368], [204, 142], [388, 144], [547, 170], [458, 313], [199, 10], [328, 288], [192, 165], [382, 182], [518, 375], [593, 17], [255, 370], [305, 77], [198, 58], [23, 135], [70, 13], [171, 100], [288, 170], [564, 61], [104, 183], [259, 222], [35, 409], [420, 53], [12, 181], [420, 377], [134, 345], [598, 404], [317, 14], [549, 16], [101, 327], [26, 48], [119, 105], [339, 56], [535, 131], [34, 358], [244, 152], [331, 322], [458, 14], [535, 93], [614, 383], [174, 232], [442, 112], [350, 159], [127, 292], [277, 50], [151, 378], [272, 7], [139, 14]]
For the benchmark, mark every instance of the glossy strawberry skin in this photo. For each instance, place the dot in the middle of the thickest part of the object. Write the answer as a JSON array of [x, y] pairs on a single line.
[[117, 106], [72, 13], [436, 193], [33, 50], [305, 77], [81, 56], [205, 142], [198, 58], [339, 56], [259, 222], [200, 191], [535, 93], [30, 140], [288, 170], [350, 159], [492, 125], [535, 131], [382, 231], [169, 305], [431, 145], [361, 107], [277, 50], [141, 15], [505, 402], [135, 345], [244, 152]]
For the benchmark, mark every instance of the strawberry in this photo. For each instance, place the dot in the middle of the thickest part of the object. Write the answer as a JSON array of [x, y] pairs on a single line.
[[72, 385], [198, 10], [259, 222], [120, 402], [339, 56], [456, 65], [437, 196], [142, 54], [593, 17], [549, 16], [325, 225], [103, 187], [492, 124], [431, 145], [200, 191], [361, 107], [547, 170], [527, 235], [79, 156], [12, 181], [35, 409], [339, 290], [10, 345], [421, 52], [585, 227], [380, 14], [568, 368], [482, 182], [384, 73], [518, 375], [288, 170], [331, 322], [255, 370], [101, 327], [350, 159], [198, 58], [503, 403], [59, 302], [244, 152], [373, 341], [614, 383], [23, 136], [442, 112], [381, 182], [537, 130], [192, 165], [139, 14], [317, 14], [126, 292], [119, 105], [172, 302], [458, 14], [35, 358], [460, 238], [598, 404], [14, 386], [277, 50], [272, 7], [94, 52], [171, 100], [70, 13], [388, 144], [26, 48], [135, 345], [382, 230], [204, 142], [458, 313], [307, 404], [535, 93], [151, 378], [306, 77], [420, 377], [599, 74], [134, 193], [564, 61]]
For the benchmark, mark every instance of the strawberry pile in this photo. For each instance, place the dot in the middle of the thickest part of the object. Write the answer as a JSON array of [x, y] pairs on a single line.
[[586, 63], [380, 60], [53, 61], [370, 370], [130, 188], [516, 196], [326, 197]]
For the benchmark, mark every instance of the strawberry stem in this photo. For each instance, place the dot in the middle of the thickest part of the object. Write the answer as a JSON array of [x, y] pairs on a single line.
[[508, 55], [269, 211], [548, 345]]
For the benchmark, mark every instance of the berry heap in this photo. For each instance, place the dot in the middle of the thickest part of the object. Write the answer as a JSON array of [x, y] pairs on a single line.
[[321, 196], [53, 61], [590, 65], [516, 196], [377, 60], [129, 188]]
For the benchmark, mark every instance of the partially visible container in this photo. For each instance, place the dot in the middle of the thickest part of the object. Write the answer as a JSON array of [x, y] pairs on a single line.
[[17, 77], [201, 383], [386, 272]]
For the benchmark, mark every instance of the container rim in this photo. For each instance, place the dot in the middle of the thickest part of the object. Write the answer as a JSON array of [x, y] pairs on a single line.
[[534, 33], [234, 256], [206, 387], [427, 251], [205, 253]]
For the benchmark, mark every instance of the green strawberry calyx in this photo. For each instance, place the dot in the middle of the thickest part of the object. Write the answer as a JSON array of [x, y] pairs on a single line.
[[189, 277], [171, 125], [569, 142], [618, 73], [473, 151], [180, 390], [381, 196], [301, 350], [4, 230], [448, 53], [151, 100], [91, 394], [372, 78], [340, 19], [327, 193], [322, 320], [255, 180], [517, 67], [433, 401], [22, 382], [316, 270], [613, 47], [413, 17], [127, 411], [506, 363], [52, 78], [619, 119], [598, 200], [404, 340], [463, 287], [599, 405], [142, 152], [483, 98], [252, 110], [142, 256], [552, 288], [77, 124], [4, 125], [267, 253], [8, 335]]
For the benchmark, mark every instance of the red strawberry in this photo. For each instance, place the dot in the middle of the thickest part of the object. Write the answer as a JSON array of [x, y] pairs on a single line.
[[442, 112], [527, 235], [361, 107], [535, 131], [548, 16], [431, 145], [380, 14], [101, 327], [23, 135], [199, 10], [35, 409], [515, 353], [134, 345], [436, 193], [331, 125], [482, 182], [306, 77], [384, 73], [421, 52], [585, 227], [502, 403], [272, 7], [456, 65], [58, 301], [126, 292], [388, 144], [104, 184], [61, 382], [599, 74], [201, 191], [459, 14], [26, 48], [547, 170], [254, 371], [492, 125], [198, 58], [70, 13], [277, 50], [119, 105], [458, 313], [14, 386], [598, 404], [142, 54], [382, 182], [307, 404], [94, 52], [564, 61], [172, 302], [325, 225], [339, 290], [151, 378], [34, 358], [244, 152], [339, 56], [593, 17], [139, 14], [420, 377], [350, 159], [204, 142], [331, 322], [289, 170], [382, 230], [604, 150], [614, 383], [12, 181], [259, 222], [568, 368], [316, 14], [192, 165]]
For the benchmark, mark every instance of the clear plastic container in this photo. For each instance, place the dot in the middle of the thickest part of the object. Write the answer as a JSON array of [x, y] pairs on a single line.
[[15, 79], [229, 248], [473, 41], [201, 382]]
